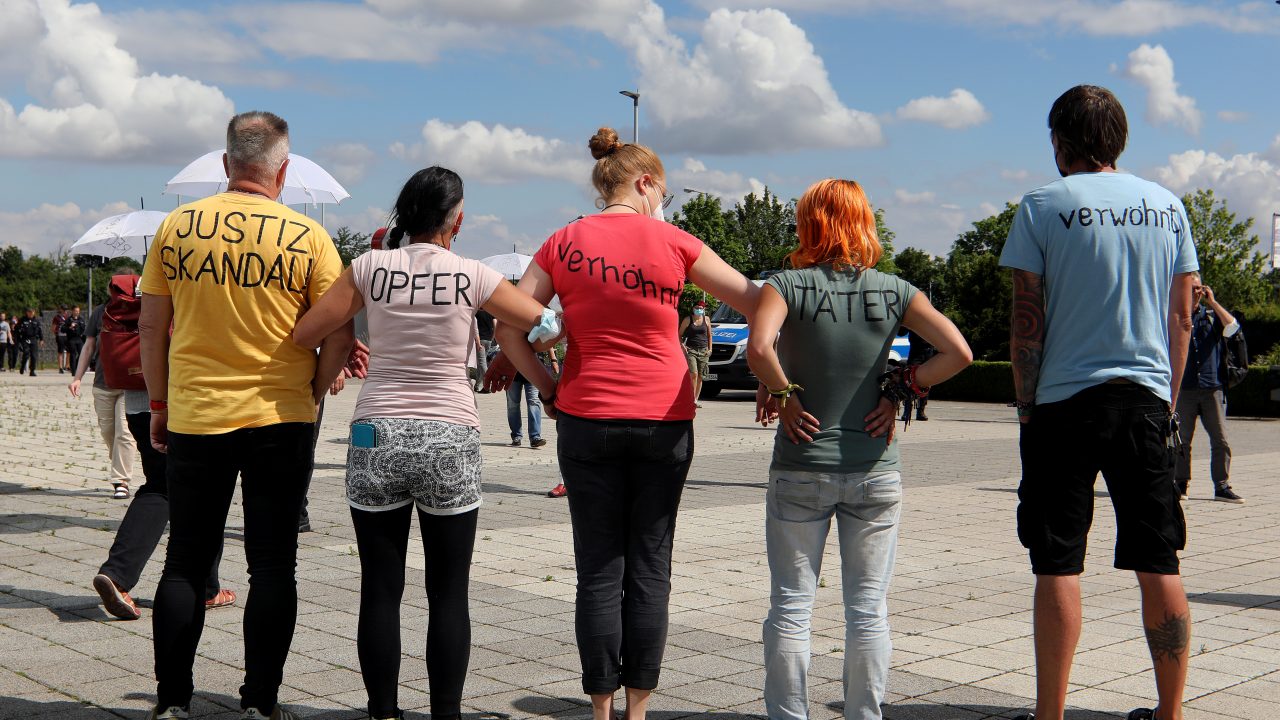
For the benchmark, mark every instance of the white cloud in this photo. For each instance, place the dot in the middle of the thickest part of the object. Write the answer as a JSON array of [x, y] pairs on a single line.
[[91, 100], [907, 198], [590, 14], [485, 235], [1233, 116], [48, 228], [958, 110], [1152, 68], [1094, 17], [753, 84], [496, 154], [1250, 182], [362, 221], [729, 186], [348, 162]]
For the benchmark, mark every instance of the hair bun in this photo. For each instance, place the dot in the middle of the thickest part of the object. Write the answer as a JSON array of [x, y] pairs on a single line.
[[604, 143]]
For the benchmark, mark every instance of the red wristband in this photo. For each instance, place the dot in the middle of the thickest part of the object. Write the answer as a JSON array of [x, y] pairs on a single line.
[[159, 405]]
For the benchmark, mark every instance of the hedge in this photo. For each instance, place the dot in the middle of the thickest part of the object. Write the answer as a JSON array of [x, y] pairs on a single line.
[[987, 381]]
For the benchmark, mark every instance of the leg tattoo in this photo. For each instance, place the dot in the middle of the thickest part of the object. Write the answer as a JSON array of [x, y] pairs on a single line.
[[1168, 640]]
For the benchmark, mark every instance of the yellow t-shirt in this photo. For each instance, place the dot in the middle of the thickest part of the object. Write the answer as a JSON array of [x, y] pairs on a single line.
[[241, 270]]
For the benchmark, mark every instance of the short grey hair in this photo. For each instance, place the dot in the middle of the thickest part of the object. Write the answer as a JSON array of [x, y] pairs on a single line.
[[257, 141]]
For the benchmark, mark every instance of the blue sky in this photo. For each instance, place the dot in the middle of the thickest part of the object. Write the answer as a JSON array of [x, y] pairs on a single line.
[[938, 108]]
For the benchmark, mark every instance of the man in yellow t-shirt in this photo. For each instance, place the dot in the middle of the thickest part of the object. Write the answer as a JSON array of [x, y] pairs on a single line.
[[232, 395]]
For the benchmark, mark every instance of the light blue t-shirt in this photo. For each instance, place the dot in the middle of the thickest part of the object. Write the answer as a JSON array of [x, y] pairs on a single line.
[[1107, 246]]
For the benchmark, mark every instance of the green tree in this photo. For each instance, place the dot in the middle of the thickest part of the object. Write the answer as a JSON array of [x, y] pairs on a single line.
[[350, 244], [988, 234], [979, 291], [888, 262], [703, 217], [45, 282], [1229, 262], [925, 272], [765, 228]]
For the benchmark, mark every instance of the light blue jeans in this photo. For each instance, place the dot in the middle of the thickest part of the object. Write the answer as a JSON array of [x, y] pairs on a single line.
[[534, 403], [799, 507]]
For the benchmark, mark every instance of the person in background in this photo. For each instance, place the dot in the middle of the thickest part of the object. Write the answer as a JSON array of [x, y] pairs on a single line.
[[624, 447], [30, 338], [1204, 391], [484, 344], [60, 338], [921, 351], [73, 333], [834, 456], [148, 514], [13, 343], [520, 386], [112, 411], [415, 439], [695, 336], [6, 339]]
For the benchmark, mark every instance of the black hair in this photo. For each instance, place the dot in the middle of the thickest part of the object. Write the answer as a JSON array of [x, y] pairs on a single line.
[[1090, 125], [425, 205]]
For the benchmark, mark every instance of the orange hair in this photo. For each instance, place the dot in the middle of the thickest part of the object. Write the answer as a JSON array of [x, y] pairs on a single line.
[[836, 225]]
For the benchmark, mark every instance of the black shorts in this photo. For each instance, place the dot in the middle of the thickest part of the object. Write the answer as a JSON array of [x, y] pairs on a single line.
[[62, 343], [1123, 431]]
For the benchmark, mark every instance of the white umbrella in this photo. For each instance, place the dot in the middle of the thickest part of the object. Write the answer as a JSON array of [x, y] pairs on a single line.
[[512, 265], [120, 235], [305, 182]]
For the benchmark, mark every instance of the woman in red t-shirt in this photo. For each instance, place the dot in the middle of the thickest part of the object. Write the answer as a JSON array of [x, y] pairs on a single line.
[[624, 408]]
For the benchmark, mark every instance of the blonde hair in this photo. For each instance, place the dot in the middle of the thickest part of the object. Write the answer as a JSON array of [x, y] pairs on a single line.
[[836, 225], [617, 163]]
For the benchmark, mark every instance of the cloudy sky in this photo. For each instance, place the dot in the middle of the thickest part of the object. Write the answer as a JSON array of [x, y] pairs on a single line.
[[937, 107]]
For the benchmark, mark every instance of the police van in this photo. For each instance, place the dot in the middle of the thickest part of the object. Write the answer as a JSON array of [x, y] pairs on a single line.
[[727, 366]]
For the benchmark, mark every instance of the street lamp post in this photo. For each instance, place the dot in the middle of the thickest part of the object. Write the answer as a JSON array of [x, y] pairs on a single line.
[[635, 114], [696, 190]]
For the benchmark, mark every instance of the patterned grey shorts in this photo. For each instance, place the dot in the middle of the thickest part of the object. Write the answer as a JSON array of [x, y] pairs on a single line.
[[437, 464]]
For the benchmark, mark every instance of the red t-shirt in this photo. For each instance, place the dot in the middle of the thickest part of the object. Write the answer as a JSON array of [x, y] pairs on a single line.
[[619, 278]]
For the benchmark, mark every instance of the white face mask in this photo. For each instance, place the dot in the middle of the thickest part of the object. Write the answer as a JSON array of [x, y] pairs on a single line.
[[657, 213]]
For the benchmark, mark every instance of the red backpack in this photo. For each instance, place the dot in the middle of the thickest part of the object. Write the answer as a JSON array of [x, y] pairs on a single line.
[[119, 345]]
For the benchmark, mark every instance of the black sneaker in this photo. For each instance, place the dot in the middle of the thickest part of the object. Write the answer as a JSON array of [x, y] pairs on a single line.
[[1226, 494], [922, 417], [1025, 716], [1141, 714], [515, 443], [537, 443]]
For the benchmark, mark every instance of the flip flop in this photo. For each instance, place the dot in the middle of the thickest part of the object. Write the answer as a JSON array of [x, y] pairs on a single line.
[[121, 491]]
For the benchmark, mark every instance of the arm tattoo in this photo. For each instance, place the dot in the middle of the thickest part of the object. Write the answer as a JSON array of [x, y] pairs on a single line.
[[1168, 640], [1026, 340]]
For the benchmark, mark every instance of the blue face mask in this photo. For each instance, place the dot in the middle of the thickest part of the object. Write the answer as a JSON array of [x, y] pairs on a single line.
[[548, 326], [699, 312]]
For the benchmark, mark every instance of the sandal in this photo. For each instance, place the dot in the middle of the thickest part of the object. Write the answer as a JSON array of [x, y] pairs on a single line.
[[116, 601], [222, 599], [121, 491]]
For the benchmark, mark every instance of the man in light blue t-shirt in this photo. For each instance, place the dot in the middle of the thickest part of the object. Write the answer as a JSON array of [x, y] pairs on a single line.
[[1102, 265]]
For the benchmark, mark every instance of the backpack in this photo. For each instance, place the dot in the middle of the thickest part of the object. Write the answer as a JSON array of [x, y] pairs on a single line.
[[1235, 359], [119, 344]]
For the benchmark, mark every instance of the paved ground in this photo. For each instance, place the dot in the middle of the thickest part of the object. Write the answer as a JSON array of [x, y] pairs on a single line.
[[960, 602]]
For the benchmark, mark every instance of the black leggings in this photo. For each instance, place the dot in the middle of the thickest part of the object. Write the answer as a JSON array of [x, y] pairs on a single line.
[[447, 542]]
